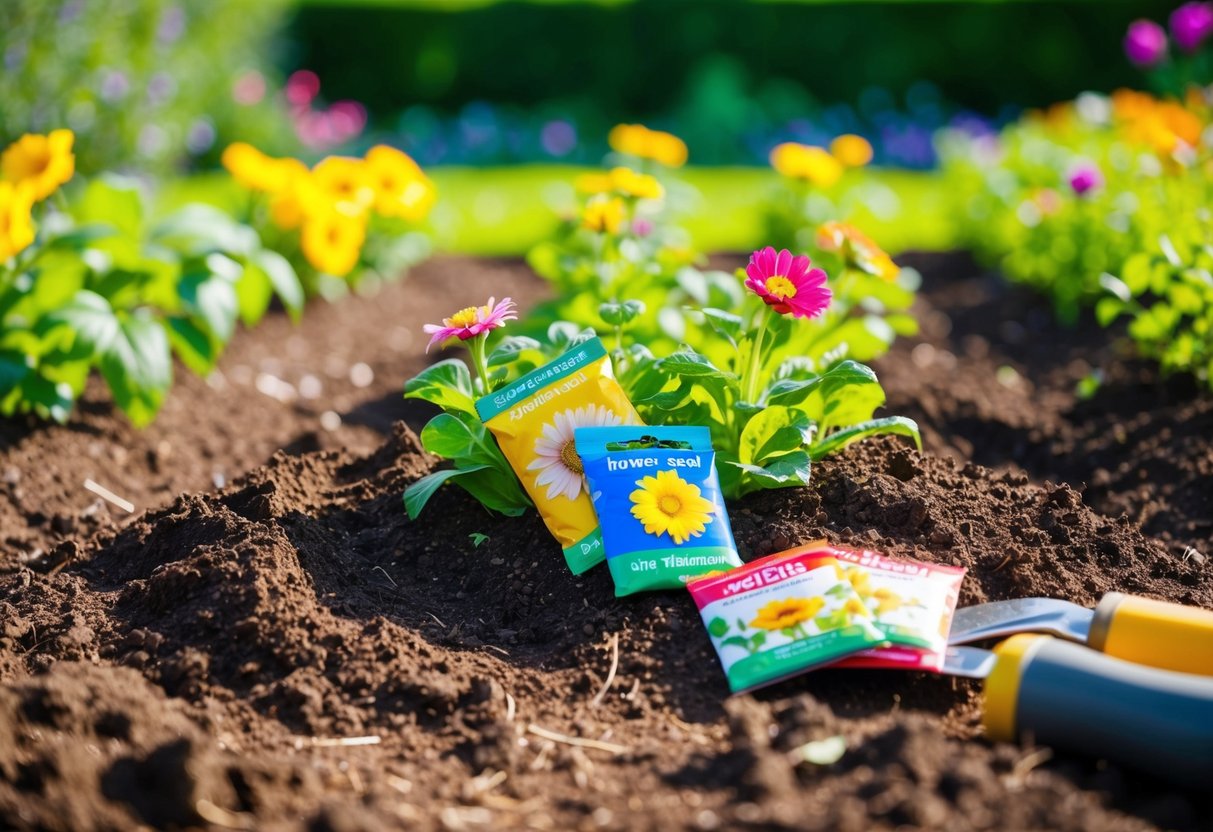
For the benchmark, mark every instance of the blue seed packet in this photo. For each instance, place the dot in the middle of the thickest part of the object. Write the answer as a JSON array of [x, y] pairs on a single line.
[[658, 500]]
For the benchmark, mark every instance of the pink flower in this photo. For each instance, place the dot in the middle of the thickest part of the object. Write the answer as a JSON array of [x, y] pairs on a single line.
[[1191, 24], [1085, 178], [1145, 42], [470, 322], [787, 284]]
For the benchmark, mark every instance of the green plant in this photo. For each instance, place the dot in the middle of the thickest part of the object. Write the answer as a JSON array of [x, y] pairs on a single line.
[[105, 287]]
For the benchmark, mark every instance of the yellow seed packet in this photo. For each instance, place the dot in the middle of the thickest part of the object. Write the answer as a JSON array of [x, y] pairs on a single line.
[[534, 419]]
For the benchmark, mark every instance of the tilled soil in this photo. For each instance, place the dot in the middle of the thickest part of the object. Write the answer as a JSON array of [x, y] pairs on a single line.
[[290, 652]]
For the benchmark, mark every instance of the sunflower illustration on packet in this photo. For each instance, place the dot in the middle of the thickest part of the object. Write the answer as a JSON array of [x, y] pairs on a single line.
[[658, 498]]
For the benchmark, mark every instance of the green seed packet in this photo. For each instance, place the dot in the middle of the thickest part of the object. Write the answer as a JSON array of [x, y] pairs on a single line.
[[658, 500]]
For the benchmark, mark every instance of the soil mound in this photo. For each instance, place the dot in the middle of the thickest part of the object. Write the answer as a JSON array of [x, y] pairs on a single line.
[[292, 652]]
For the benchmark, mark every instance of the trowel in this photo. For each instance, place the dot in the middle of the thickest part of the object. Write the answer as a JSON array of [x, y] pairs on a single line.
[[1057, 693], [1139, 630]]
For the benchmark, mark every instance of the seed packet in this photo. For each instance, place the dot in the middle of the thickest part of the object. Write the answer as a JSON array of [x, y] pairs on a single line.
[[533, 420], [783, 615], [911, 602], [658, 497]]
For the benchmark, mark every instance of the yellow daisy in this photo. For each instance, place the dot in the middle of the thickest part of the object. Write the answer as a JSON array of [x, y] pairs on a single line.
[[332, 241], [346, 182], [853, 151], [255, 170], [668, 504], [603, 214], [298, 196], [16, 224], [636, 185], [809, 164], [401, 188], [783, 613], [638, 140], [43, 163]]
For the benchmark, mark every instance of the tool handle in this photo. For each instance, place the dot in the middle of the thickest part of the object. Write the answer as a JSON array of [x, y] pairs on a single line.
[[1154, 633], [1068, 696]]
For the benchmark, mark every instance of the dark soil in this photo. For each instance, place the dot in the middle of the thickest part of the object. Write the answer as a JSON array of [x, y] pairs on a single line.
[[215, 662]]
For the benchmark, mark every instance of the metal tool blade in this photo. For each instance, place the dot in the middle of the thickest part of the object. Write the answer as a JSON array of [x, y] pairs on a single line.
[[970, 662], [1021, 615]]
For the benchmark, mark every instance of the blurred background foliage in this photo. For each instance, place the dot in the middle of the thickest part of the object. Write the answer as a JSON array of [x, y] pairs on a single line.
[[503, 97]]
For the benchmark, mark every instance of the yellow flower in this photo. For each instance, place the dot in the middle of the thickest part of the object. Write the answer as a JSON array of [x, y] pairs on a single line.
[[636, 185], [255, 170], [856, 607], [43, 163], [332, 241], [346, 182], [638, 140], [853, 151], [16, 224], [810, 164], [786, 612], [401, 188], [603, 214], [594, 183], [668, 504], [857, 249], [298, 196]]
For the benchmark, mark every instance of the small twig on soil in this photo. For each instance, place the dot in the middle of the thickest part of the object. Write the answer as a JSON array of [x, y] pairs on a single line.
[[109, 496], [630, 695], [335, 742], [497, 649], [355, 779], [1192, 553], [219, 816], [580, 742], [436, 618], [1029, 761], [486, 781], [511, 707], [1002, 565], [597, 700], [386, 575], [399, 783]]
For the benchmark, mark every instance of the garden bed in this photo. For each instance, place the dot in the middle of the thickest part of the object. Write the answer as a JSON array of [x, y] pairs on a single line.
[[227, 658]]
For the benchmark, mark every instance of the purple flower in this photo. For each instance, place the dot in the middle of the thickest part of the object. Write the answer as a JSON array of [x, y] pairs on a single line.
[[1085, 178], [1145, 42], [1191, 24]]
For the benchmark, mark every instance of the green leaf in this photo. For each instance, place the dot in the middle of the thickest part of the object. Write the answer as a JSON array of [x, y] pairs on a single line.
[[138, 366], [786, 470], [691, 363], [773, 431], [113, 201], [725, 324], [14, 367], [447, 384], [736, 641], [477, 539], [253, 294], [497, 490], [888, 426], [211, 297], [92, 318], [758, 639], [284, 279], [717, 627], [510, 347], [1136, 273], [195, 348], [1107, 310], [620, 314], [78, 238], [419, 493], [447, 436]]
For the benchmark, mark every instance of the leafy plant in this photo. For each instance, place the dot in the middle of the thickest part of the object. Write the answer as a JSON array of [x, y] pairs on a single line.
[[101, 286]]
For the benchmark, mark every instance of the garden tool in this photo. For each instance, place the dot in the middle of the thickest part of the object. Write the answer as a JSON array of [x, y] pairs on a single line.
[[1065, 695], [1139, 630]]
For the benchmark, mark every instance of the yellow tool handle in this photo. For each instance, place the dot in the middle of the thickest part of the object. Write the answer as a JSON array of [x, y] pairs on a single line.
[[1154, 633]]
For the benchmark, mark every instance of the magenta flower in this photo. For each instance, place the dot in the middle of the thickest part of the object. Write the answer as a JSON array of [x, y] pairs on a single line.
[[1085, 178], [787, 284], [470, 322], [1191, 24], [1145, 42]]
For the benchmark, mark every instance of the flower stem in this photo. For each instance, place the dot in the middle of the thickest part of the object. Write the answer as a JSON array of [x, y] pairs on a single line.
[[477, 349], [749, 390]]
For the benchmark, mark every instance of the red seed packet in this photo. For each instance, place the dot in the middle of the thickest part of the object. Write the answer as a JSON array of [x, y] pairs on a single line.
[[783, 615], [911, 602]]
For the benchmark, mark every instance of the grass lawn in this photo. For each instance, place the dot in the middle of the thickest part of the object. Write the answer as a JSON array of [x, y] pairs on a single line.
[[505, 211]]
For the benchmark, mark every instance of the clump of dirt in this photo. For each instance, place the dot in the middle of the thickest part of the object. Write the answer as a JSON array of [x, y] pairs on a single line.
[[293, 652]]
